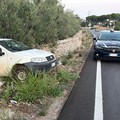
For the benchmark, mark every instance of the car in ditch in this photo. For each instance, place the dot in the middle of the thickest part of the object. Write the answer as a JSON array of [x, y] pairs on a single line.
[[107, 45], [18, 59]]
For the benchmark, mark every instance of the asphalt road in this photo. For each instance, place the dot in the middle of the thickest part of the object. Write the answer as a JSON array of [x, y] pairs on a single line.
[[96, 95]]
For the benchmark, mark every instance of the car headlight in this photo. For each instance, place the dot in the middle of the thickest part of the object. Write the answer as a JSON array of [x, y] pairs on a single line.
[[38, 59], [98, 47]]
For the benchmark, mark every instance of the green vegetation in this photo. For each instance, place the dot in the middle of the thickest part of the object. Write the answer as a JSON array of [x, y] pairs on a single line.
[[65, 58], [103, 20], [64, 76], [42, 113], [37, 86], [36, 21], [117, 26], [6, 94]]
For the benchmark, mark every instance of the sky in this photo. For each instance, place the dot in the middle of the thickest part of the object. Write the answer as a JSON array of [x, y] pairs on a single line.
[[86, 8]]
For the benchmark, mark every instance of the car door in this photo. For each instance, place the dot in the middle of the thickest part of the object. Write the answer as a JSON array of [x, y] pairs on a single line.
[[3, 62]]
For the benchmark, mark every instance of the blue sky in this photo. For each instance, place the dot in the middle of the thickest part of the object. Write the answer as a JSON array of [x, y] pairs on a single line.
[[92, 7]]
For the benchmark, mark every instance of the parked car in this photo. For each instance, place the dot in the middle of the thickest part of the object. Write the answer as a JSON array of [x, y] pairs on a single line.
[[18, 59], [107, 45]]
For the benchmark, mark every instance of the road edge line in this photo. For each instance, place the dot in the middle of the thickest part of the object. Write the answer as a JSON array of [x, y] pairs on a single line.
[[98, 110]]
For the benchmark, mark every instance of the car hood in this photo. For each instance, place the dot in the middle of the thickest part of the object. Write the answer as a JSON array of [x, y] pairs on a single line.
[[34, 53], [108, 44]]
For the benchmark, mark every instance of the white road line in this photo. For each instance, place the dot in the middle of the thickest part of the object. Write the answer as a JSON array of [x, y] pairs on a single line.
[[98, 110]]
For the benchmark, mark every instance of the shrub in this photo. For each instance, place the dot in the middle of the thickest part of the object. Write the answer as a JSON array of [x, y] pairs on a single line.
[[37, 22]]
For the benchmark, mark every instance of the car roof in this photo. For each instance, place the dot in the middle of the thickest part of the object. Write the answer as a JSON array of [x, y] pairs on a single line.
[[110, 31], [2, 39]]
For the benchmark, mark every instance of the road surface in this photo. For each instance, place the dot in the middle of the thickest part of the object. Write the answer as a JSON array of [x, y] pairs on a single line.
[[96, 95]]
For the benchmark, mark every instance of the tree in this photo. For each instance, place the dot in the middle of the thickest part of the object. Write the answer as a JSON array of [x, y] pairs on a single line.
[[103, 18], [36, 21], [117, 26]]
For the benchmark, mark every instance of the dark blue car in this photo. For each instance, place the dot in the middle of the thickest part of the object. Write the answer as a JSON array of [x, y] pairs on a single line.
[[107, 46]]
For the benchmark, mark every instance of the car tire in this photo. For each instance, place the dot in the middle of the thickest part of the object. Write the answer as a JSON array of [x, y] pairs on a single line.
[[20, 73]]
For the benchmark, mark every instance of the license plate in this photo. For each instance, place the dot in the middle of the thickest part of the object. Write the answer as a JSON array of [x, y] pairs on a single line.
[[113, 55], [53, 64]]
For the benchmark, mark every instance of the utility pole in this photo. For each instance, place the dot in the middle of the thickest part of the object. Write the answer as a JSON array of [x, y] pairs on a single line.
[[89, 22], [89, 13]]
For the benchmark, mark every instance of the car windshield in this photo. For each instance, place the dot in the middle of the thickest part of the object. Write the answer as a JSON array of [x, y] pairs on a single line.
[[14, 46], [110, 36]]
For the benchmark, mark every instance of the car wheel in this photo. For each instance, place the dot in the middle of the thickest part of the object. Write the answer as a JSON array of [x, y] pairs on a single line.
[[20, 73]]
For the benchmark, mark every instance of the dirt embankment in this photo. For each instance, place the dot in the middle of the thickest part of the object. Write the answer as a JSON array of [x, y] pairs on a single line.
[[69, 44], [66, 45]]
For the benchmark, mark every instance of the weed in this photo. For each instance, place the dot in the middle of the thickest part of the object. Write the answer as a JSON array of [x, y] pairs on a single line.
[[64, 60], [36, 87], [52, 44], [74, 63], [83, 31], [43, 109], [76, 51], [70, 55], [52, 50], [42, 113], [80, 54], [6, 93], [55, 91], [24, 119], [65, 76]]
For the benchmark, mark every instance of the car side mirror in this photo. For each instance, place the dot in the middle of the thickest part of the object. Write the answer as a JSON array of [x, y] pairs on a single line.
[[1, 53], [94, 38]]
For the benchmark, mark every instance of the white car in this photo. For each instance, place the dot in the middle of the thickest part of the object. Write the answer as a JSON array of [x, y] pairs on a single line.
[[17, 59]]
